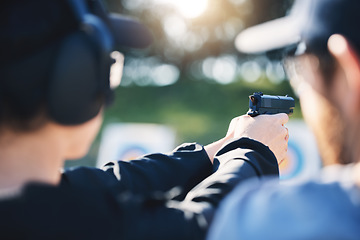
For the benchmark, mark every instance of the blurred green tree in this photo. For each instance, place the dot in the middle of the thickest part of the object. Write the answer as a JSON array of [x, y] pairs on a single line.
[[182, 41]]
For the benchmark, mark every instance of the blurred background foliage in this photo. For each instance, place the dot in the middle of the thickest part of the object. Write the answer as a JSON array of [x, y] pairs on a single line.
[[192, 78]]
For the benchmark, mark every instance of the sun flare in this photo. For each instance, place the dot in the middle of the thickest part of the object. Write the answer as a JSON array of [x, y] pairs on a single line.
[[188, 8]]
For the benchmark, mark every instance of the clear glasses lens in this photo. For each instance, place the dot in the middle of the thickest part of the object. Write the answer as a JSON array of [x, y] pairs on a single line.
[[294, 70], [116, 69]]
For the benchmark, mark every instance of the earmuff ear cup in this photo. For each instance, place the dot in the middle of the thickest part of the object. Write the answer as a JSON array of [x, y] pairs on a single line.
[[74, 92], [80, 84]]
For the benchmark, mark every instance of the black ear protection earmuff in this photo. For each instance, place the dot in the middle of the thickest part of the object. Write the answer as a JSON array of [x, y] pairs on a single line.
[[79, 86]]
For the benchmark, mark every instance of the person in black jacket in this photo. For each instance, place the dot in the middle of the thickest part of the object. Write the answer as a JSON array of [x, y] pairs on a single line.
[[55, 64]]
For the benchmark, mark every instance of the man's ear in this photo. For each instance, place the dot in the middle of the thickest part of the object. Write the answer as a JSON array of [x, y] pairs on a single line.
[[349, 62]]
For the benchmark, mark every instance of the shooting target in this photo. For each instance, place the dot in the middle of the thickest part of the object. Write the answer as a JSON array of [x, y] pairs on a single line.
[[303, 161], [129, 141]]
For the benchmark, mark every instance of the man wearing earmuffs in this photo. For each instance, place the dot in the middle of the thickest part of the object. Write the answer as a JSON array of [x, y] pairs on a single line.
[[55, 61]]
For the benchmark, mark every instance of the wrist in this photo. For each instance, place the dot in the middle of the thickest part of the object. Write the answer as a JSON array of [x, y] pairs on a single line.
[[212, 148]]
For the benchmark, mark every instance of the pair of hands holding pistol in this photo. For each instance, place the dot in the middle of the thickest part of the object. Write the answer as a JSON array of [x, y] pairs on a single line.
[[264, 122]]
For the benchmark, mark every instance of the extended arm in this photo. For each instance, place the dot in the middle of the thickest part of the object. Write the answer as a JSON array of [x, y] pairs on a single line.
[[157, 215], [188, 165], [162, 218], [185, 167]]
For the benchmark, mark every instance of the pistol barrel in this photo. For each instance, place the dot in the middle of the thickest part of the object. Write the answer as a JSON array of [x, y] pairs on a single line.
[[268, 104]]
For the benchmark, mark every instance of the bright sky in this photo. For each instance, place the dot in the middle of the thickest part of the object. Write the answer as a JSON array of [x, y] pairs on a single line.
[[188, 8]]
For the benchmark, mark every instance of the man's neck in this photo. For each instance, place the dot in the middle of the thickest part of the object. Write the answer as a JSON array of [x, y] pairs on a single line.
[[29, 157]]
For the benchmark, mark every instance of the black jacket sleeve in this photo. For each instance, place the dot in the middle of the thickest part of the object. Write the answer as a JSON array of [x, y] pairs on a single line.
[[159, 216], [185, 167], [237, 161], [164, 218]]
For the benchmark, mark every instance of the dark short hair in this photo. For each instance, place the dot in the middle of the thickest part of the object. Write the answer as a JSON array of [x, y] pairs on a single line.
[[29, 36]]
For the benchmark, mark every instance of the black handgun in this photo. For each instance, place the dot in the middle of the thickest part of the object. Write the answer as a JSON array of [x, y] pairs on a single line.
[[267, 104]]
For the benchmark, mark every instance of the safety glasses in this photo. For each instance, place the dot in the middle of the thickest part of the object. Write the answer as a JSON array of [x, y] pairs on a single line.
[[116, 69], [294, 68]]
